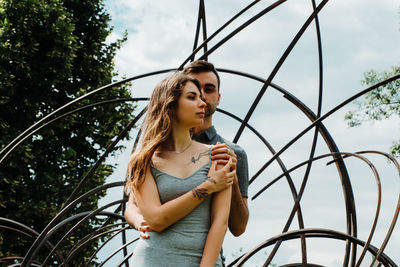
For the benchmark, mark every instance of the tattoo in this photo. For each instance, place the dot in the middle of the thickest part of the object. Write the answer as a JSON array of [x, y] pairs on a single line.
[[202, 154], [199, 193], [211, 180]]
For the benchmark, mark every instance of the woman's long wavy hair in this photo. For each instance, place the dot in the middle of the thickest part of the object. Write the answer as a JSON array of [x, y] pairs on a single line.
[[157, 125]]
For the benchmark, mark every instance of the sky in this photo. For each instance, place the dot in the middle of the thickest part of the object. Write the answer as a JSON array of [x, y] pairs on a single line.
[[357, 36]]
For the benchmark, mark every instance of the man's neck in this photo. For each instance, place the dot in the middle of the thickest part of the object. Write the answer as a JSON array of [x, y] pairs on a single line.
[[207, 124]]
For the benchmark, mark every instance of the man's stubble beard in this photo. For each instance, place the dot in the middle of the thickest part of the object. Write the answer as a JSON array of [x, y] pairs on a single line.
[[210, 110]]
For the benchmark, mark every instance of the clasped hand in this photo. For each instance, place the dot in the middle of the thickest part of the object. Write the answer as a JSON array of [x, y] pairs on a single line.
[[222, 177]]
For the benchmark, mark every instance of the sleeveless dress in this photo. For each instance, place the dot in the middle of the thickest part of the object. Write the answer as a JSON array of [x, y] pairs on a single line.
[[182, 243]]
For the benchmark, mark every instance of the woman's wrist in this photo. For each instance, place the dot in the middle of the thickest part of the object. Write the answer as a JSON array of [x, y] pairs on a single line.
[[210, 184], [207, 186]]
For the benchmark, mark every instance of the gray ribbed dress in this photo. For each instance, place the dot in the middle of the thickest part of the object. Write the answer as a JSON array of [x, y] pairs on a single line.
[[182, 243]]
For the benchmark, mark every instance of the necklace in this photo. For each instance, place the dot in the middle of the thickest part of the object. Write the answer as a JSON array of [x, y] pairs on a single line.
[[179, 152]]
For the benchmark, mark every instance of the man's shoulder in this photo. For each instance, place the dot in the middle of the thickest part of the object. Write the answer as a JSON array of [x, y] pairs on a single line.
[[238, 149]]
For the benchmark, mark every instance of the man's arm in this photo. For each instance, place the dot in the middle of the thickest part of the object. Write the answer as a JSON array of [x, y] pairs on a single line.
[[239, 214]]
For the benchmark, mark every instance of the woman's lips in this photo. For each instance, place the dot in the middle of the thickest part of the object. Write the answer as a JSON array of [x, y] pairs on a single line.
[[200, 114]]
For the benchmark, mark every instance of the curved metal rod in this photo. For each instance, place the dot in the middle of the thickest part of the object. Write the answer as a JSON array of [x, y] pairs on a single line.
[[77, 217], [349, 207], [308, 112], [377, 209], [377, 178], [240, 28], [119, 230], [13, 144], [123, 237], [396, 213], [78, 224], [36, 129], [323, 117], [103, 156], [201, 20], [301, 265], [125, 259], [205, 42], [281, 164], [278, 65], [312, 151], [351, 218], [72, 254], [313, 232], [28, 232], [33, 264], [115, 252], [95, 234], [46, 231], [120, 208], [345, 102]]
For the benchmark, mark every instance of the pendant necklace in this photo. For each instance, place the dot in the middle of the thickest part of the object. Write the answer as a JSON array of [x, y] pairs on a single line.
[[179, 152]]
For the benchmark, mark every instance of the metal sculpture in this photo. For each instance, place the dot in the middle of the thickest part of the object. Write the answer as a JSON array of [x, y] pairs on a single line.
[[355, 249]]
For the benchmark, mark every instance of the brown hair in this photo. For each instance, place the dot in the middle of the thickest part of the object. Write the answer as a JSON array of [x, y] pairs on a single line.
[[199, 66], [157, 125]]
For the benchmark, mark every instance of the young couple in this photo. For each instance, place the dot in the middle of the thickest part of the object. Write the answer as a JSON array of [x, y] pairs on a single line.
[[187, 182]]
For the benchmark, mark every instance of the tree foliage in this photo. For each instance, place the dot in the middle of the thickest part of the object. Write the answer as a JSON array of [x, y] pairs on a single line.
[[52, 51], [380, 103]]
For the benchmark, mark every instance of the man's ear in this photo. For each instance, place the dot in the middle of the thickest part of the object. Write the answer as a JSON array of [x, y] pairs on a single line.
[[219, 98]]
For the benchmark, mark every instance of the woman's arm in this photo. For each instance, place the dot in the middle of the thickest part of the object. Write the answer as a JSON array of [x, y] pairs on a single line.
[[239, 214], [160, 216], [219, 224]]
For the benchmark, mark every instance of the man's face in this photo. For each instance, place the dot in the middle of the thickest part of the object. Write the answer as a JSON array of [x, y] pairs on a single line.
[[209, 90]]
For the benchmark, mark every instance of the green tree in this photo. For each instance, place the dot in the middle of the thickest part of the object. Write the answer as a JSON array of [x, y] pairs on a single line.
[[52, 51], [380, 103]]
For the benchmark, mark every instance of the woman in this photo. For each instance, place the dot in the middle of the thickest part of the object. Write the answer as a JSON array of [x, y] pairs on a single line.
[[172, 179]]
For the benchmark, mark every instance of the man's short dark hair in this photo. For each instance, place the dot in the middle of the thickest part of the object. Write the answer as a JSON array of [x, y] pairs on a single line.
[[199, 66]]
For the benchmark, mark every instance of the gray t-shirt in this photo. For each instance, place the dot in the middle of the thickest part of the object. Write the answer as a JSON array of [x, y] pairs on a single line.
[[210, 137]]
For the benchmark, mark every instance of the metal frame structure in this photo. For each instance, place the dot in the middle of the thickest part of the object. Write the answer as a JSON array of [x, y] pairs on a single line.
[[355, 249]]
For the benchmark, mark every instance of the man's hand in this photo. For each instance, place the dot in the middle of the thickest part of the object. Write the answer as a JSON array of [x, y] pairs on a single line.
[[143, 227], [135, 219], [221, 153]]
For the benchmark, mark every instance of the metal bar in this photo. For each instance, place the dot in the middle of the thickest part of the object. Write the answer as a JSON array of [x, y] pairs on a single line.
[[314, 233], [191, 56]]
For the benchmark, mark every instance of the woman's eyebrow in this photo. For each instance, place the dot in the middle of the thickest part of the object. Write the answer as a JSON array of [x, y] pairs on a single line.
[[192, 92]]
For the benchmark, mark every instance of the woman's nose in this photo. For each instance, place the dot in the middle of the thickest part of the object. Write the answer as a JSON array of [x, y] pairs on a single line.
[[202, 102]]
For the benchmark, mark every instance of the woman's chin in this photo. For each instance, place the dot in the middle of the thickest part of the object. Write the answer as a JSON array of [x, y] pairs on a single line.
[[195, 125]]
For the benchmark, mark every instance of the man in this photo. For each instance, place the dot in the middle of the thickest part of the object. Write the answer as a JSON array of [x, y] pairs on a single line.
[[208, 77], [209, 80]]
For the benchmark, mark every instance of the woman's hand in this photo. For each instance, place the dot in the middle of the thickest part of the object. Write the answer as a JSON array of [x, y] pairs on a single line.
[[221, 153], [221, 178]]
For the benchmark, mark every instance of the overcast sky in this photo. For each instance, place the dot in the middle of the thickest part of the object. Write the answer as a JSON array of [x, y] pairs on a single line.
[[357, 36]]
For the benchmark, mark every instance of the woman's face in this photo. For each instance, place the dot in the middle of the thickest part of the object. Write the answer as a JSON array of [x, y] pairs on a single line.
[[190, 110]]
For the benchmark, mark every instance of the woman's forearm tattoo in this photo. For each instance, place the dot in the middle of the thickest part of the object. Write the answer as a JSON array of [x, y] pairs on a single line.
[[199, 193], [211, 180], [195, 159]]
